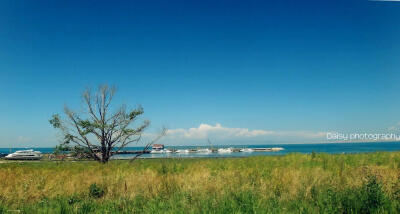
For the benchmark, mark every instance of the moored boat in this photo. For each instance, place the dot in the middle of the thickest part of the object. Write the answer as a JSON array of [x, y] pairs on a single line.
[[155, 151], [228, 150], [160, 151], [246, 150], [204, 151], [24, 155]]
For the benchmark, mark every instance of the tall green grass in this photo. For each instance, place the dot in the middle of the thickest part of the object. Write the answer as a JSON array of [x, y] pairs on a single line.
[[294, 183]]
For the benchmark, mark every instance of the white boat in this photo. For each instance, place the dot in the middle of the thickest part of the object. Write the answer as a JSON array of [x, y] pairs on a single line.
[[228, 150], [24, 155], [277, 149], [246, 150], [204, 151], [182, 151], [160, 151], [157, 151]]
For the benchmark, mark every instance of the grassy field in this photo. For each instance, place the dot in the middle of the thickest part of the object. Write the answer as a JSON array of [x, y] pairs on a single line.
[[294, 183]]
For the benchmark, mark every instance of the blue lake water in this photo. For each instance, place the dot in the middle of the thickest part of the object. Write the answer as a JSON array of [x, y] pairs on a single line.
[[333, 148]]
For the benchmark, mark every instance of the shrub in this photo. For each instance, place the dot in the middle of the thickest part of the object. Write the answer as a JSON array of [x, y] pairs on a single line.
[[374, 195], [96, 191], [313, 154]]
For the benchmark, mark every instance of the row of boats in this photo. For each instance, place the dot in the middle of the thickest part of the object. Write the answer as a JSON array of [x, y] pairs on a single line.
[[36, 155], [221, 150]]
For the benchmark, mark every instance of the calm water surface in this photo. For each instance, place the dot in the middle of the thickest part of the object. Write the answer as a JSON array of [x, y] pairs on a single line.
[[333, 148]]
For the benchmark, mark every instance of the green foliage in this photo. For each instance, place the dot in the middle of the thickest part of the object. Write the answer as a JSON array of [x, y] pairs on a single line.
[[87, 126], [61, 149], [55, 121], [374, 196], [75, 151], [96, 191], [135, 113], [313, 154], [80, 152]]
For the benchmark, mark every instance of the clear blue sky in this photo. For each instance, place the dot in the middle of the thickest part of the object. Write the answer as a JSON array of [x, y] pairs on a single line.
[[285, 66]]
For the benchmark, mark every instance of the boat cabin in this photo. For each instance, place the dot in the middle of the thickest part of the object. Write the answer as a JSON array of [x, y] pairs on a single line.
[[158, 146]]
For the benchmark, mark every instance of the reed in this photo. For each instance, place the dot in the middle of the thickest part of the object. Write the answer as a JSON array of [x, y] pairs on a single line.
[[318, 183]]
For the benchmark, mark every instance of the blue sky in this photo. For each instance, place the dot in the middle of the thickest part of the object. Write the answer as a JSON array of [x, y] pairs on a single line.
[[285, 71]]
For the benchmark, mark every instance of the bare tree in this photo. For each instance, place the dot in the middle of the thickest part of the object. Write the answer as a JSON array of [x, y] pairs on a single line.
[[101, 132]]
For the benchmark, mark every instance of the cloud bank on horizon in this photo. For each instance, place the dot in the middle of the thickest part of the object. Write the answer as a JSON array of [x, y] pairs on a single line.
[[219, 134]]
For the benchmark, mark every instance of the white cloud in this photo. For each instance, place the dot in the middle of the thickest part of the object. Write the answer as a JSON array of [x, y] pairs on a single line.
[[226, 133]]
